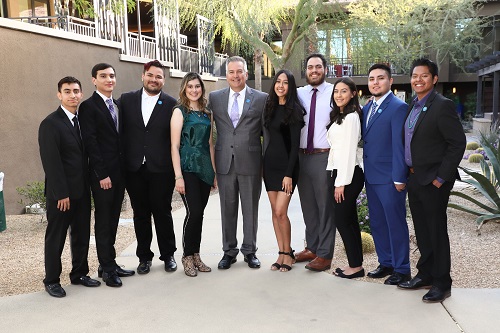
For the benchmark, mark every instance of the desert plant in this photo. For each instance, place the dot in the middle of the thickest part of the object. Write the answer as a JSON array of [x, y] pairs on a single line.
[[363, 215], [33, 194], [472, 145], [482, 182], [475, 158], [367, 242]]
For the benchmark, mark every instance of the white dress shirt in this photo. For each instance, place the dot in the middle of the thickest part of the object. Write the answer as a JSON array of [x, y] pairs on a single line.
[[147, 105], [344, 140], [69, 115], [240, 99], [322, 116]]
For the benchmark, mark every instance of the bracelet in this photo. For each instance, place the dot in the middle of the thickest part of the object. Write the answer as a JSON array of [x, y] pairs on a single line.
[[178, 177]]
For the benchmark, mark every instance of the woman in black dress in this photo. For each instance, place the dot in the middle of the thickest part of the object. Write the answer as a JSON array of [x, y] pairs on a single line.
[[283, 118]]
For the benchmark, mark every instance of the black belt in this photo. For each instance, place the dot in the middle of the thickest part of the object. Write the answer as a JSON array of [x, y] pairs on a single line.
[[314, 151]]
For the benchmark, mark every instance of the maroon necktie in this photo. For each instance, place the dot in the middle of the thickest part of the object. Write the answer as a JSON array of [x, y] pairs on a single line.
[[310, 127]]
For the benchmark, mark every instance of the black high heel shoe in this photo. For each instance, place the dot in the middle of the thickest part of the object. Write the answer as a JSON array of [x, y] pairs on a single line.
[[285, 266], [276, 265]]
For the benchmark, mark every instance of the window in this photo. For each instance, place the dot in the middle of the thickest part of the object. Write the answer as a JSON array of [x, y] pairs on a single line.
[[33, 8]]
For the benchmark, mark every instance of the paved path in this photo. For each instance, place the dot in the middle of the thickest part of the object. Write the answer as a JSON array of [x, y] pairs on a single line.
[[246, 300]]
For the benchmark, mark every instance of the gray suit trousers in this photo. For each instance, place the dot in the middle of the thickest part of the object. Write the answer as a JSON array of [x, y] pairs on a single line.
[[316, 200], [233, 188]]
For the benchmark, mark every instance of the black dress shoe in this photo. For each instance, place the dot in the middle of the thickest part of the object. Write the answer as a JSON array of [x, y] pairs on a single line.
[[124, 272], [55, 290], [380, 272], [112, 279], [397, 278], [436, 295], [252, 260], [170, 264], [87, 282], [144, 267], [226, 262], [414, 284], [120, 271]]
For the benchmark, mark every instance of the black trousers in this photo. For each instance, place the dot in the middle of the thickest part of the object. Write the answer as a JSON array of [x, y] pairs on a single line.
[[195, 200], [346, 217], [428, 206], [108, 205], [77, 220], [151, 194]]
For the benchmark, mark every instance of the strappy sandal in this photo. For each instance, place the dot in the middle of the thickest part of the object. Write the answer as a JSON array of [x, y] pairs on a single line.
[[285, 266], [276, 265]]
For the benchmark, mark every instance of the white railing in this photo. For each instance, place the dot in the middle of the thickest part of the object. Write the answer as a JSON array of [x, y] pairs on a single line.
[[81, 27], [64, 22], [148, 49]]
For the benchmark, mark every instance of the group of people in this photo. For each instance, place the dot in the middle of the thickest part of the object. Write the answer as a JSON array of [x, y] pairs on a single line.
[[149, 143]]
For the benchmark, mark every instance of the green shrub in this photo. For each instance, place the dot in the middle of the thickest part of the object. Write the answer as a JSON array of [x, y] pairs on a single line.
[[33, 194], [472, 145], [475, 158]]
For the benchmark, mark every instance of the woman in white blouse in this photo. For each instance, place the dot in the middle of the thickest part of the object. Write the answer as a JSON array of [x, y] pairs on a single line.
[[344, 133]]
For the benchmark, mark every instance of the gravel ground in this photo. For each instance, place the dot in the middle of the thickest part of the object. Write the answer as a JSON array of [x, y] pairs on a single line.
[[475, 259]]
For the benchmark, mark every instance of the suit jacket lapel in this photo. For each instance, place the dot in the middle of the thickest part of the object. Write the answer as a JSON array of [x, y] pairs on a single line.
[[424, 111], [379, 111], [224, 100], [138, 101], [104, 108], [157, 108], [69, 124], [246, 104]]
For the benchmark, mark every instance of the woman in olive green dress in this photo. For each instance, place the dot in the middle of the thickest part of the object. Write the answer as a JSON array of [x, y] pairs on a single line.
[[193, 159]]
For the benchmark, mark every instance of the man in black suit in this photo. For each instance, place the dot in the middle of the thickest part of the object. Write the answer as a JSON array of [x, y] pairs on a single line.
[[434, 146], [66, 190], [150, 176], [100, 124]]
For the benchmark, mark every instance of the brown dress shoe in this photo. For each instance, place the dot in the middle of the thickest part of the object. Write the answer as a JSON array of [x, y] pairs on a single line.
[[305, 255], [319, 264]]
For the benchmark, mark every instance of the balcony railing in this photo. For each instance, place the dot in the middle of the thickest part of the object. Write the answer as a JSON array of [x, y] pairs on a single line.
[[143, 47], [353, 67], [66, 23]]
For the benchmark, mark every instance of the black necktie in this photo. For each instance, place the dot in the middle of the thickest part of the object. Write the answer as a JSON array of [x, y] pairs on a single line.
[[76, 125]]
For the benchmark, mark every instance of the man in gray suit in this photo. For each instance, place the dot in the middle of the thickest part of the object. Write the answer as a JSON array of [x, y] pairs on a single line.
[[237, 111]]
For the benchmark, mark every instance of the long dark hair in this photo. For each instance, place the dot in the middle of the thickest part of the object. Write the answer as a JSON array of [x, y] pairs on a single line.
[[353, 106], [294, 110]]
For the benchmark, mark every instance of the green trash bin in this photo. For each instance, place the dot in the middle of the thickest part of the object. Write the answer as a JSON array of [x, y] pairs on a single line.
[[3, 222]]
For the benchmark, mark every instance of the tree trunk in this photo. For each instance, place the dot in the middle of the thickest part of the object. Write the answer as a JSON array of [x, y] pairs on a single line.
[[257, 60]]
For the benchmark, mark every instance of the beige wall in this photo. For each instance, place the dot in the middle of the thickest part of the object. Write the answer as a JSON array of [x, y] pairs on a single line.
[[31, 66]]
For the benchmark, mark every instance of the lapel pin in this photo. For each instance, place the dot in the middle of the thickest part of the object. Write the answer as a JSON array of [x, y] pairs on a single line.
[[248, 100], [160, 102], [379, 110], [424, 109]]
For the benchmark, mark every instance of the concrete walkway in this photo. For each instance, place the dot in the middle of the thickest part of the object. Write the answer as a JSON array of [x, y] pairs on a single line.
[[246, 300]]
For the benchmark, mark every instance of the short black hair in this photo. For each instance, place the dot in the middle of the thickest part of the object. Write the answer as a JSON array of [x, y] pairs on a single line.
[[431, 65], [99, 67], [316, 55], [382, 67], [154, 63], [69, 80]]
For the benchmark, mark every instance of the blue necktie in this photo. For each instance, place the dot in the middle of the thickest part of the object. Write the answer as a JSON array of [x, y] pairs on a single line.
[[372, 113]]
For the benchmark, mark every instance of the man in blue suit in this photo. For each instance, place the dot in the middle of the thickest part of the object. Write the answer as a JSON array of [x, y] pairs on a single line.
[[386, 174]]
